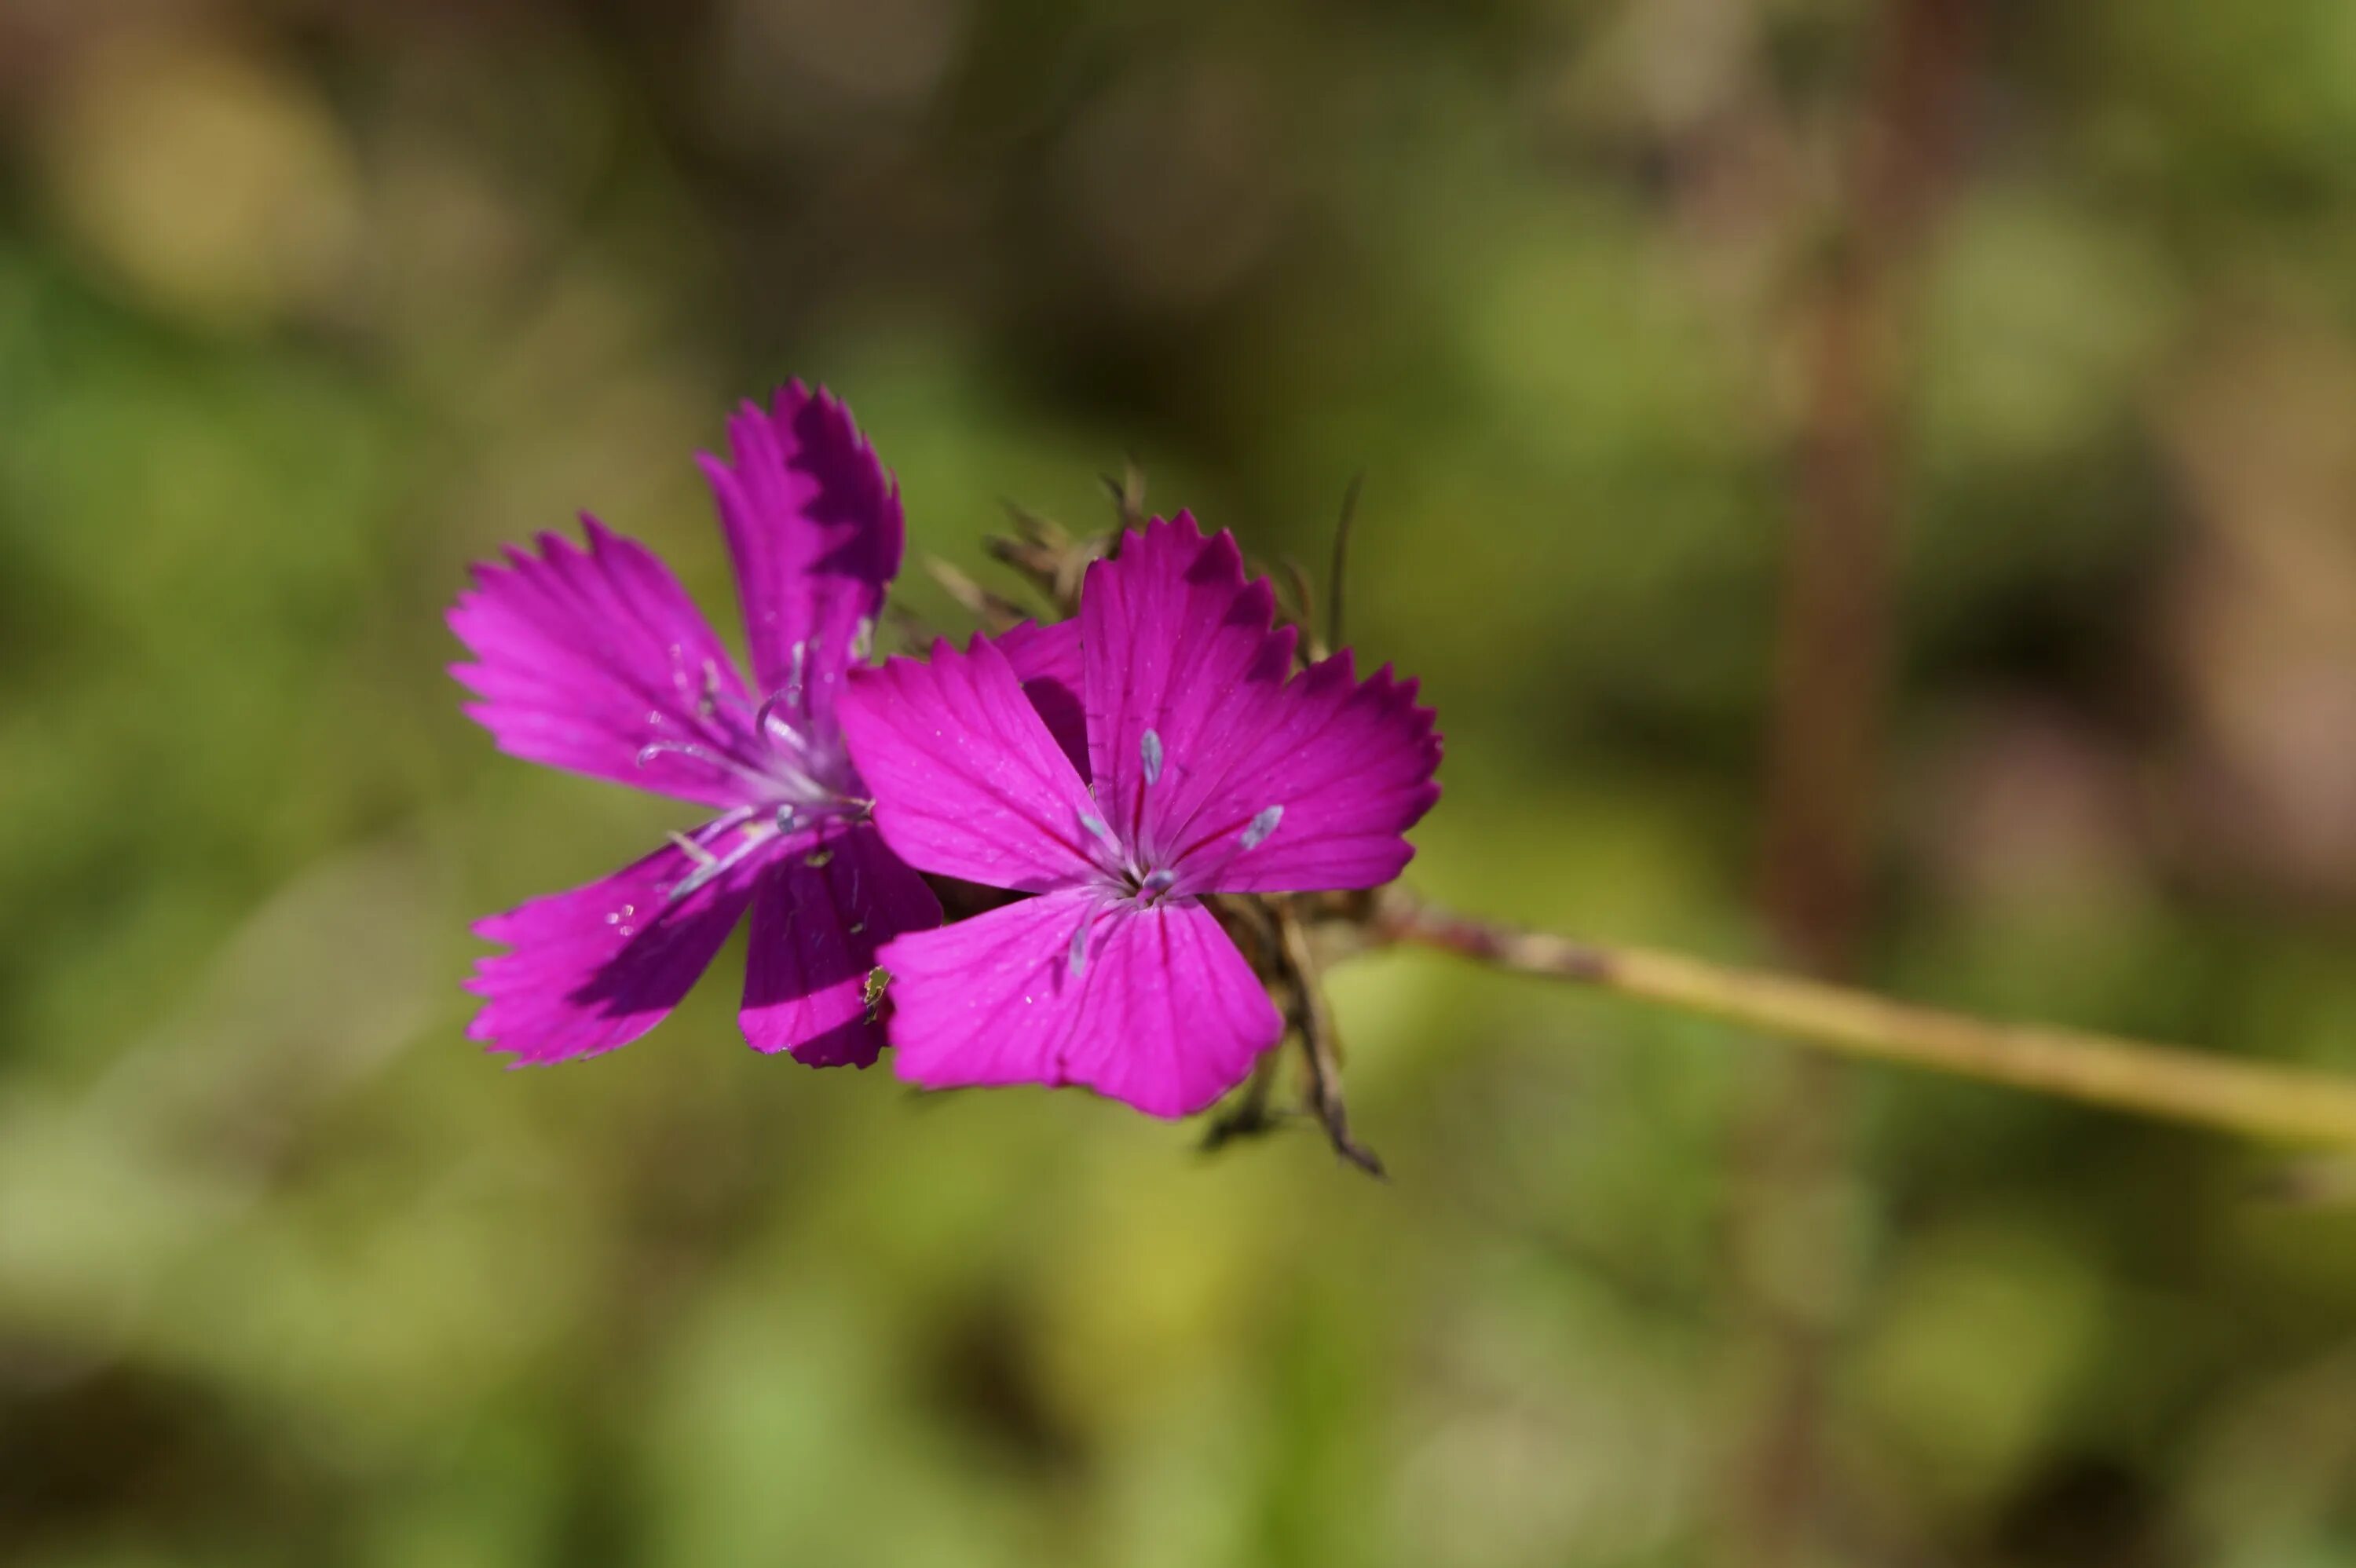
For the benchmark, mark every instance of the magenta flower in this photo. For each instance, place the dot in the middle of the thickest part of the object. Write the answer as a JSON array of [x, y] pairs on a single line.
[[1119, 768], [596, 660]]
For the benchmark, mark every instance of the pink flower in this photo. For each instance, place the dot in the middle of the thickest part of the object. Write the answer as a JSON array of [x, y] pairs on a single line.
[[1119, 768], [597, 661]]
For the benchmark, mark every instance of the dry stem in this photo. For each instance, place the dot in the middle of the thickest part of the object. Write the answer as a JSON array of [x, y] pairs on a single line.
[[2289, 1104]]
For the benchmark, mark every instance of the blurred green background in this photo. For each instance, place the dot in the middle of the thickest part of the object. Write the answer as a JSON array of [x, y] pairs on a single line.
[[2051, 308]]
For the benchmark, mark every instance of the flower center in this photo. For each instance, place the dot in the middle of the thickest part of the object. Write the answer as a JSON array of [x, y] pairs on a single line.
[[782, 759], [1148, 887], [792, 772], [800, 772], [1133, 865]]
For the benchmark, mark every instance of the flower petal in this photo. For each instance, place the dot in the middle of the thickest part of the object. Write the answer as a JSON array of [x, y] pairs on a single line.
[[821, 909], [587, 658], [598, 966], [1047, 661], [1161, 1012], [814, 528], [968, 781], [1310, 787], [1174, 642], [1234, 776]]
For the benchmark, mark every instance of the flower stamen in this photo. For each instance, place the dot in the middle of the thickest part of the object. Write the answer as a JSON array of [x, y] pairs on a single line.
[[710, 868]]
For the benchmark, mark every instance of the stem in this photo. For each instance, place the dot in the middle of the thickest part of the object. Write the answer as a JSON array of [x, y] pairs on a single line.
[[1319, 1041], [2289, 1105]]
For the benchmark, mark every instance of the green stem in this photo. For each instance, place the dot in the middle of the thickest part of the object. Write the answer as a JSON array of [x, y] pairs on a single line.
[[2289, 1105]]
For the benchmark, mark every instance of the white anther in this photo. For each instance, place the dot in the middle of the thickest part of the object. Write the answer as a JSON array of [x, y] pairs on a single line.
[[1257, 831]]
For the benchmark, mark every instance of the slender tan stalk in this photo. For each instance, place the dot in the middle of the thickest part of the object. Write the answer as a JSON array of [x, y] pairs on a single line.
[[2289, 1104]]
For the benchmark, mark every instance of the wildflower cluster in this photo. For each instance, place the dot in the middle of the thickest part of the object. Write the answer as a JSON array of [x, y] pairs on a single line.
[[1143, 811]]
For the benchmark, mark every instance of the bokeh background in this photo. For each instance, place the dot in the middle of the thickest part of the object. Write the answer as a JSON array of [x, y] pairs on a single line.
[[1868, 486]]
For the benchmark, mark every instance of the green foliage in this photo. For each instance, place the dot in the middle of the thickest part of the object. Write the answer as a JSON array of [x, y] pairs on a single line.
[[301, 314]]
